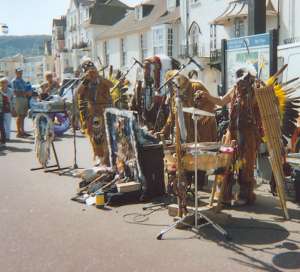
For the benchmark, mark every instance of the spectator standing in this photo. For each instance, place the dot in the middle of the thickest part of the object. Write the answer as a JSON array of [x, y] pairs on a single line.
[[19, 88], [2, 130], [52, 86], [9, 94]]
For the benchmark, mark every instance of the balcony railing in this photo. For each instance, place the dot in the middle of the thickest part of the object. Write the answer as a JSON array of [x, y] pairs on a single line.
[[215, 56], [194, 50], [183, 51], [69, 70], [80, 45], [291, 40]]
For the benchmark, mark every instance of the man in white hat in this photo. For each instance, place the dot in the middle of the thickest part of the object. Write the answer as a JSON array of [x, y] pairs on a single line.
[[8, 92], [19, 88]]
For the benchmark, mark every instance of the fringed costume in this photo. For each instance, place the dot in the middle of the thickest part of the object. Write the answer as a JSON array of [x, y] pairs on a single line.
[[186, 95], [246, 129], [190, 97], [94, 98], [207, 126]]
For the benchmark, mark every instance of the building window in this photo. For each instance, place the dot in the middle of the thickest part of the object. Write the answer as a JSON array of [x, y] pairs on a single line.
[[106, 53], [213, 37], [123, 53], [87, 14], [144, 50], [158, 41], [170, 42], [195, 40], [239, 27]]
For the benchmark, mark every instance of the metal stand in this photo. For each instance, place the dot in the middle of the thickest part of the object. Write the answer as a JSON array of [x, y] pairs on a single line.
[[57, 165], [198, 215], [70, 169], [75, 164]]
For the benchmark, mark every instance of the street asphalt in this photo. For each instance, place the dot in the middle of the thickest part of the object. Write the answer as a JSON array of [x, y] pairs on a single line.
[[42, 230]]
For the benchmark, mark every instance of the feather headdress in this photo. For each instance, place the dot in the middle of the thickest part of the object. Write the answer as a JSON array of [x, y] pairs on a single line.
[[288, 103]]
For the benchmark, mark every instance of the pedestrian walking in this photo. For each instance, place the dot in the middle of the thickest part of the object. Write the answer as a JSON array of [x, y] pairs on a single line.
[[21, 93], [9, 109]]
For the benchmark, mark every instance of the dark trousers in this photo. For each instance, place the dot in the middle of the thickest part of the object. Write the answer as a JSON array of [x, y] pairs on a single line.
[[2, 130]]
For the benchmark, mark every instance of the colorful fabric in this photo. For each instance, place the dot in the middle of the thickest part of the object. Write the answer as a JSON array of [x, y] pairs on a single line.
[[115, 92], [19, 85], [1, 102], [94, 98]]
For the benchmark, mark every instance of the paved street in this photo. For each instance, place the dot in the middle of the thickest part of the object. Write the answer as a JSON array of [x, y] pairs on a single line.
[[42, 230]]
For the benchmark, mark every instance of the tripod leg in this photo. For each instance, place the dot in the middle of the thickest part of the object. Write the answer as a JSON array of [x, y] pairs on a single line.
[[216, 226], [55, 155], [171, 227]]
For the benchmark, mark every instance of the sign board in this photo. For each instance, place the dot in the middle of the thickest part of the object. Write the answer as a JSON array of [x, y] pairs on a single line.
[[245, 51]]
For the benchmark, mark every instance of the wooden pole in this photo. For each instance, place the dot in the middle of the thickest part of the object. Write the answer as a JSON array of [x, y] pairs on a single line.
[[179, 170]]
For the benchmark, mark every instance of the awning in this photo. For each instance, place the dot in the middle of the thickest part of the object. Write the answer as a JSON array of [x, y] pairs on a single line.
[[239, 9]]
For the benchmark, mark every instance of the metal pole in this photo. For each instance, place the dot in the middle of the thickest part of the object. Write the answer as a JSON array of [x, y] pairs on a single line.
[[187, 27], [278, 19], [196, 168]]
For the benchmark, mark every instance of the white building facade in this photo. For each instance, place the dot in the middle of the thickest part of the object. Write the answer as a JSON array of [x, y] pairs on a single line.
[[85, 21], [206, 23], [149, 29]]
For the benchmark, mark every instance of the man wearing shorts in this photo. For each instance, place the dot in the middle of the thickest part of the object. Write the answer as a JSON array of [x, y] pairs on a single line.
[[19, 87]]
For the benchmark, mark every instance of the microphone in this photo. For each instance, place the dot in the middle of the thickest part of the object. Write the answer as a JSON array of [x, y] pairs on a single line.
[[103, 68], [196, 63], [138, 62]]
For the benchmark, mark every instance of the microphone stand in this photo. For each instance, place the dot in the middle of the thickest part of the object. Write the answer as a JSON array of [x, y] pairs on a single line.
[[125, 74], [183, 66], [75, 164]]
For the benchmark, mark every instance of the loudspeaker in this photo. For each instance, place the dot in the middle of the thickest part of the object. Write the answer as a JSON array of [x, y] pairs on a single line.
[[152, 163]]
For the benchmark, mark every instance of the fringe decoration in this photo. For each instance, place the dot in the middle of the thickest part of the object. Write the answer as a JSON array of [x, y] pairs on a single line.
[[44, 136]]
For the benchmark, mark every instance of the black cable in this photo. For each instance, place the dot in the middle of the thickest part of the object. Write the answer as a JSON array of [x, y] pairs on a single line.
[[141, 218]]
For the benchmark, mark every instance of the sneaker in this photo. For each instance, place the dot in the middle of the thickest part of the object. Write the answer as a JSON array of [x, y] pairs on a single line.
[[19, 135], [26, 134]]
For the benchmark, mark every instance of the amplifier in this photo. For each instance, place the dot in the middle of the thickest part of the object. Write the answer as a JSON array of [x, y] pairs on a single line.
[[151, 159]]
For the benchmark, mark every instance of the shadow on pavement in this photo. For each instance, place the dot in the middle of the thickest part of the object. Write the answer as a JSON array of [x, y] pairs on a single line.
[[287, 260], [16, 149], [269, 205], [19, 141], [251, 234]]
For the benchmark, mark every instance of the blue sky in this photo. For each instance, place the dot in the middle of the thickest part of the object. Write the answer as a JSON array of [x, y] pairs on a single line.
[[26, 17]]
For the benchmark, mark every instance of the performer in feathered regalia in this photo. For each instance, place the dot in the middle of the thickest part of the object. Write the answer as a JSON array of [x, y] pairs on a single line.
[[246, 124], [191, 94], [95, 91], [245, 128]]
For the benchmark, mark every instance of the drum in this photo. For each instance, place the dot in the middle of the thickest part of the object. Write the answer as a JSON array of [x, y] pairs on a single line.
[[170, 161], [210, 156]]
